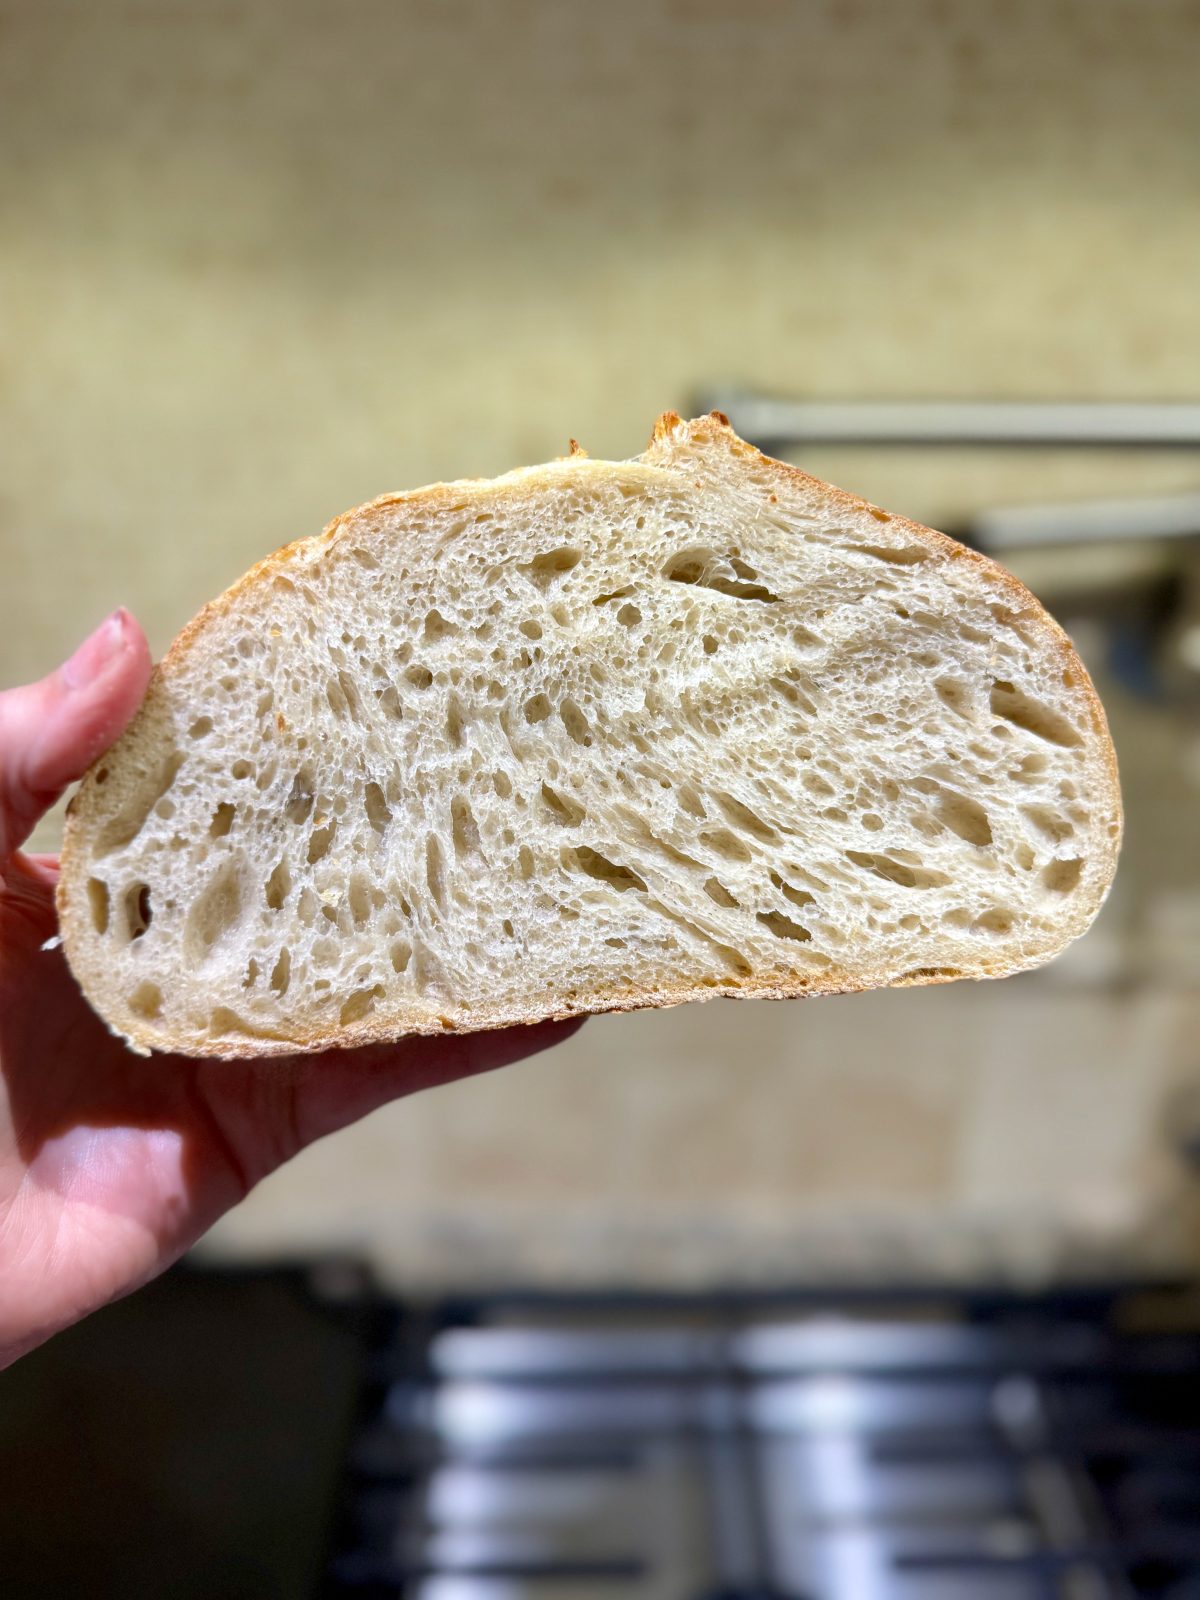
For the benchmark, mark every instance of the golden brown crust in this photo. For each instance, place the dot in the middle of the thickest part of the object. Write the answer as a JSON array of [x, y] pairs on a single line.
[[669, 432]]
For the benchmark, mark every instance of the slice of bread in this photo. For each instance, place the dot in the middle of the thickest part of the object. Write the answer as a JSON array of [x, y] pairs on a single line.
[[590, 736]]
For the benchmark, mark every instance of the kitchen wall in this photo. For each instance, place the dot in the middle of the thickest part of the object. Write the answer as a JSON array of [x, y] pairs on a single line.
[[261, 261]]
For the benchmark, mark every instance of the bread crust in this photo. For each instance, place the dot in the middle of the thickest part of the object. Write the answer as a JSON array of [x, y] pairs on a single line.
[[670, 436]]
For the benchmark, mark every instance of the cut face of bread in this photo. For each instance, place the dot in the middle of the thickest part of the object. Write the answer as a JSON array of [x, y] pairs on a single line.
[[590, 736]]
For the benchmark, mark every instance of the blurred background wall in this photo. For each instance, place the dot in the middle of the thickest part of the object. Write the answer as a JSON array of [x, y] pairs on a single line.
[[259, 262]]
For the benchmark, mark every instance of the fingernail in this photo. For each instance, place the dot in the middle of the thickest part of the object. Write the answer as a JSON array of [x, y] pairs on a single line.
[[96, 652]]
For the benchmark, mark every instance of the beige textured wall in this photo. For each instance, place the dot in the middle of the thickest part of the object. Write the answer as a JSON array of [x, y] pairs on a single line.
[[261, 261]]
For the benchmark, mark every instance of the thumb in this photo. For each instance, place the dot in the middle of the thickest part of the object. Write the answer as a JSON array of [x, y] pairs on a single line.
[[51, 732]]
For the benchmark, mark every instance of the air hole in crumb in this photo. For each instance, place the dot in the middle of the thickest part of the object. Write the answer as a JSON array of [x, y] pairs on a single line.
[[788, 686], [279, 886], [242, 769], [629, 616], [716, 891], [544, 569], [97, 895], [726, 844], [576, 724], [251, 977], [507, 928], [131, 819], [798, 897], [998, 920], [222, 820], [898, 872], [901, 555], [736, 962], [216, 909], [320, 841], [102, 774], [400, 954], [537, 708], [358, 898], [525, 861], [300, 800], [606, 871], [420, 677], [710, 645], [138, 912], [872, 822], [146, 1001], [438, 627], [389, 701], [806, 640], [955, 695], [783, 927], [709, 570], [337, 701], [1031, 715], [501, 784], [200, 727], [360, 1004], [741, 816], [455, 720], [1060, 877], [464, 830], [434, 873], [281, 972], [1049, 823], [376, 807], [531, 629], [965, 817], [569, 812]]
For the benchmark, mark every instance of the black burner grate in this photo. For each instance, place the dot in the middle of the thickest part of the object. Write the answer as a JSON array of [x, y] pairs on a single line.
[[802, 1448]]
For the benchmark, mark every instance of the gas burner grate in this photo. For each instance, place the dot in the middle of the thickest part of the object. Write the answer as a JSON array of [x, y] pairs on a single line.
[[791, 1448]]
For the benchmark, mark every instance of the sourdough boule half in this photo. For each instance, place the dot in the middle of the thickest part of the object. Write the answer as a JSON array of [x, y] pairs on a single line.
[[590, 736]]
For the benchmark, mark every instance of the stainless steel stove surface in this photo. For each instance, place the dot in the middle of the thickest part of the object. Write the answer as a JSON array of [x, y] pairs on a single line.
[[926, 1450]]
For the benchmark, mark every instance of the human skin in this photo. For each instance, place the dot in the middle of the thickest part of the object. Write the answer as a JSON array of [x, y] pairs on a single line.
[[112, 1165]]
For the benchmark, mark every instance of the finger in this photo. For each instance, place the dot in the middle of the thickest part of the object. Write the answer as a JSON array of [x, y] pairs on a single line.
[[51, 732]]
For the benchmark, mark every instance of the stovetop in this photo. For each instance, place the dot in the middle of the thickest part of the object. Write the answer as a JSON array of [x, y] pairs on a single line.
[[797, 1448]]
